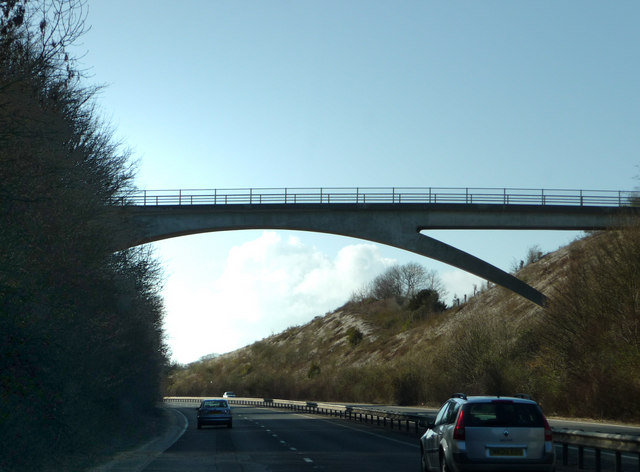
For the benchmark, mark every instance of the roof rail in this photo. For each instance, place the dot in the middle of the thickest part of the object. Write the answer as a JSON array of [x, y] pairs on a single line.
[[459, 395], [524, 396]]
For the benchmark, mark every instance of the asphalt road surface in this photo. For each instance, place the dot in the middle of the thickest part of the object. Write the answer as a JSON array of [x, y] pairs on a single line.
[[284, 441], [274, 440]]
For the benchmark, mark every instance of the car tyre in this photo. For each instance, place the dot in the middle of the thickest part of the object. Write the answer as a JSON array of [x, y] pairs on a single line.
[[199, 425], [230, 425]]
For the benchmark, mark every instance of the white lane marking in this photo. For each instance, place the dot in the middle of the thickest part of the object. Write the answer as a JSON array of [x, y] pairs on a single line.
[[306, 459], [283, 442], [292, 449]]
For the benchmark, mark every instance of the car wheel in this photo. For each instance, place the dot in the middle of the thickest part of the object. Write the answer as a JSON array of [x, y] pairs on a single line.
[[199, 425], [230, 425]]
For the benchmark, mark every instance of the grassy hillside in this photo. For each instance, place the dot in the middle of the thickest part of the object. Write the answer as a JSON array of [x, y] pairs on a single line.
[[579, 356]]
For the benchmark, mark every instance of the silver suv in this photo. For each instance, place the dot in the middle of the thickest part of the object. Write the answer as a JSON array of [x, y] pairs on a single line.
[[488, 434]]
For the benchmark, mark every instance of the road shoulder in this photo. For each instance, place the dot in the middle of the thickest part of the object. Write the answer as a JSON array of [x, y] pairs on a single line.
[[136, 460]]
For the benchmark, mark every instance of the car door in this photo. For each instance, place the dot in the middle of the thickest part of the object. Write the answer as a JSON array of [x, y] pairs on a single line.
[[434, 436]]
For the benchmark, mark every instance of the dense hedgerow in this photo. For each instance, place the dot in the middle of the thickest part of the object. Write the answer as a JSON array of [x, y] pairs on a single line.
[[81, 344]]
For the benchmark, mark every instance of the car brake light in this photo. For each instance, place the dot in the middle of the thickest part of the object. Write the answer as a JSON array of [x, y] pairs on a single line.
[[458, 431], [548, 434]]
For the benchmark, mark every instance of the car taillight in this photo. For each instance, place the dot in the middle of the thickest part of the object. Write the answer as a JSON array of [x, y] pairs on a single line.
[[548, 434], [458, 431]]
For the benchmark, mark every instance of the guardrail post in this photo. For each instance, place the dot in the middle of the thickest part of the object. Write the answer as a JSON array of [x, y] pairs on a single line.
[[618, 461], [598, 460], [580, 457]]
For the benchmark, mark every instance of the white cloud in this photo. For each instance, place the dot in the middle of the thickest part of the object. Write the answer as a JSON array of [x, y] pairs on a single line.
[[266, 285]]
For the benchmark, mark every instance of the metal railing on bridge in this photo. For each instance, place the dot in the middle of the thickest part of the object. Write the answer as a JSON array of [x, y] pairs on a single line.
[[393, 195]]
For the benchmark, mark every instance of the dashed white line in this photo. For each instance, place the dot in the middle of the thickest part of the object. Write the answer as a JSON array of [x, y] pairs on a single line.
[[306, 459]]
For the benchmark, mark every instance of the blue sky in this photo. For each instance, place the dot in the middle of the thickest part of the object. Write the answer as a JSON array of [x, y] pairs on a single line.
[[229, 94]]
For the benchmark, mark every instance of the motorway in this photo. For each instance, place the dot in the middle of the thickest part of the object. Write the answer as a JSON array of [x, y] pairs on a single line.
[[283, 441], [279, 440]]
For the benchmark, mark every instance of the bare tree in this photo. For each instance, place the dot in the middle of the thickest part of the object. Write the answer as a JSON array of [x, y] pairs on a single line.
[[387, 284], [406, 281], [413, 276], [435, 283], [534, 254]]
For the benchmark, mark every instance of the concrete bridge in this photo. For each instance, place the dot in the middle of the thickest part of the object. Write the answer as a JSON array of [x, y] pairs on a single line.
[[390, 216]]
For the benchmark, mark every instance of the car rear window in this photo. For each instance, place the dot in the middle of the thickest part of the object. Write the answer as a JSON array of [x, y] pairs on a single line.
[[501, 414], [215, 404]]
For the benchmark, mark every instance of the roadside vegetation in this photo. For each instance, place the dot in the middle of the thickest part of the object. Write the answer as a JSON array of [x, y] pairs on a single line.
[[81, 346], [579, 357]]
